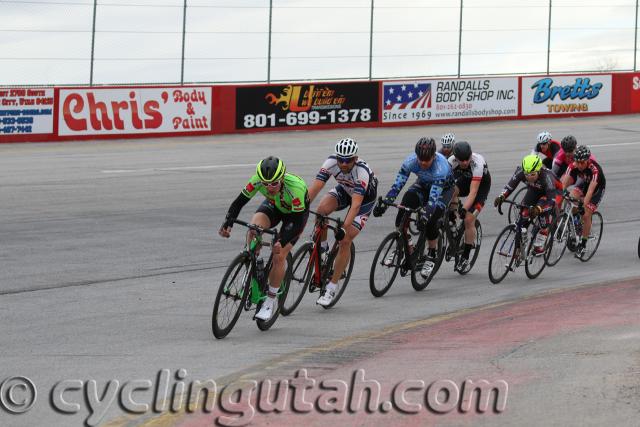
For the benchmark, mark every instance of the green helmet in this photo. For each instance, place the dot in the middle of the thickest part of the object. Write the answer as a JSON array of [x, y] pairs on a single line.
[[270, 169], [531, 163]]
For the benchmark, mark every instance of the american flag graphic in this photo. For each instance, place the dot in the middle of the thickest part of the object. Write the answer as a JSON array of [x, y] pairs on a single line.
[[402, 95]]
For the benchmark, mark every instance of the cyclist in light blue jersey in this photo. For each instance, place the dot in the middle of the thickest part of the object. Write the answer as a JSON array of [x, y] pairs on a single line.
[[433, 190]]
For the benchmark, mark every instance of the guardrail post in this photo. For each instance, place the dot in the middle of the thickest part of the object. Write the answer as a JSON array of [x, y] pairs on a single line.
[[635, 40], [184, 33], [371, 43], [269, 47], [460, 38], [549, 39]]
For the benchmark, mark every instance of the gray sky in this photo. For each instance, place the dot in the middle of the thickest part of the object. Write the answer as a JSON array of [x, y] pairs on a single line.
[[137, 41]]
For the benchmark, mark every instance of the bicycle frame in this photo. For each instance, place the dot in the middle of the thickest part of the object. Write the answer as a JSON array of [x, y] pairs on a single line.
[[409, 258], [319, 267]]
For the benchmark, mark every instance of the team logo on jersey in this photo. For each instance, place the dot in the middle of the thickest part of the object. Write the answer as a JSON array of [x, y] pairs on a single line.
[[296, 202], [249, 188]]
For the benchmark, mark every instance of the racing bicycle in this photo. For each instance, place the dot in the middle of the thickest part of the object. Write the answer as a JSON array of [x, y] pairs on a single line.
[[245, 284], [454, 241], [312, 270]]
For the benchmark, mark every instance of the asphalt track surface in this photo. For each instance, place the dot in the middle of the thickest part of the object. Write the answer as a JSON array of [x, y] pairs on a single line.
[[110, 260]]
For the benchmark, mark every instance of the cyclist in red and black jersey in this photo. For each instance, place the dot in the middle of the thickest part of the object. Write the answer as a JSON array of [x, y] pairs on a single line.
[[565, 156], [590, 182], [546, 148]]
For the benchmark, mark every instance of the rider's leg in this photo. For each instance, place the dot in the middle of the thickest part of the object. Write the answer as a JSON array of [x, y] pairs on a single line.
[[292, 227], [328, 204], [344, 253], [263, 218]]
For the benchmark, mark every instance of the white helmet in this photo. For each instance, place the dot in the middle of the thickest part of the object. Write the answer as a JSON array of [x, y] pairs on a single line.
[[448, 140], [346, 147], [544, 137]]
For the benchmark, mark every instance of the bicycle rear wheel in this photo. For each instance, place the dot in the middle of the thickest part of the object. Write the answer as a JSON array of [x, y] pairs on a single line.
[[231, 297], [263, 325], [535, 261], [418, 281], [503, 254], [344, 279], [301, 273], [560, 237], [597, 225], [386, 263]]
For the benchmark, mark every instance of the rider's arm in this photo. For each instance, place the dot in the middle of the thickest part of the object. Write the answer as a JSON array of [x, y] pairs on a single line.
[[315, 188], [567, 179], [517, 178], [401, 180], [592, 185], [235, 208]]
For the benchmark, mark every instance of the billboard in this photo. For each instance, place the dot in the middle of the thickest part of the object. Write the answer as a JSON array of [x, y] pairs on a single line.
[[134, 110], [300, 105], [566, 95], [459, 99], [26, 111]]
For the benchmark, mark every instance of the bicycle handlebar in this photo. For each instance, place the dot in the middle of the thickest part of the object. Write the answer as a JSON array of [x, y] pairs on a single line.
[[399, 206], [257, 228], [511, 202], [337, 229]]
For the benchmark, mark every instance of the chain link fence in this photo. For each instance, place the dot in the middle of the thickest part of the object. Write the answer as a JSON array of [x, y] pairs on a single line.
[[91, 42]]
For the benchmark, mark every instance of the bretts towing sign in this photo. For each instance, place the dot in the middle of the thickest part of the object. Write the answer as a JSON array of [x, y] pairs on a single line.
[[306, 104], [566, 95]]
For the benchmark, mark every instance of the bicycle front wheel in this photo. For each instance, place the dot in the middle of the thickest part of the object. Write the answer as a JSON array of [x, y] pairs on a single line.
[[418, 280], [231, 297], [263, 325], [473, 256], [503, 254], [535, 260], [344, 279], [560, 237], [301, 273], [597, 225], [386, 263]]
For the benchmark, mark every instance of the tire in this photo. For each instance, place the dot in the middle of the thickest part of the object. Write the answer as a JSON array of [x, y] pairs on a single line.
[[347, 275], [517, 198], [231, 297], [301, 273], [535, 263], [418, 282], [560, 238], [597, 226], [263, 325], [475, 250], [638, 248], [379, 286], [502, 254]]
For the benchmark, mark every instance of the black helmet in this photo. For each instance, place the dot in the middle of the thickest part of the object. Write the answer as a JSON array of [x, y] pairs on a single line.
[[582, 153], [569, 143], [462, 150], [270, 169], [426, 148]]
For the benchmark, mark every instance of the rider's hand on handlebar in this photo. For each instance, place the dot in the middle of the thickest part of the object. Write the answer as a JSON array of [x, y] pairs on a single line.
[[379, 209], [340, 233], [535, 211], [580, 209], [498, 200], [224, 231]]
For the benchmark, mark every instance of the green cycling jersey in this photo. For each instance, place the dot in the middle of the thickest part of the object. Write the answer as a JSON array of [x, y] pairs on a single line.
[[291, 198]]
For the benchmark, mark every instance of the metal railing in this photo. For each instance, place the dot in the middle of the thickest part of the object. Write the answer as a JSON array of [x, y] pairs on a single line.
[[91, 42]]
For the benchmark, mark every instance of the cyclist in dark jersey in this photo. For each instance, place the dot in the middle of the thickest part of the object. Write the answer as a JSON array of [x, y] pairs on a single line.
[[590, 183], [356, 190], [546, 148], [544, 193], [473, 181], [286, 200], [565, 156]]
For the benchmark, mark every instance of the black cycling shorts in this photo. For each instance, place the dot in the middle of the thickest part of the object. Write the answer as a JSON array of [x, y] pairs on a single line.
[[292, 224]]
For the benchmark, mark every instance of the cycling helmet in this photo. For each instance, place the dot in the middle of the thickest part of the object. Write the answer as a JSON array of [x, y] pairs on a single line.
[[531, 163], [346, 147], [425, 148], [270, 169], [462, 150], [544, 137], [447, 140], [569, 143], [582, 153]]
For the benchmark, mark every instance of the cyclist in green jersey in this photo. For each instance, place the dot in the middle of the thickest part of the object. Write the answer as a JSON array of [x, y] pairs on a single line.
[[286, 200]]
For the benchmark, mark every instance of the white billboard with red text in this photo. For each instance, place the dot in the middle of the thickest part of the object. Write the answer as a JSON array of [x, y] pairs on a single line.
[[134, 110]]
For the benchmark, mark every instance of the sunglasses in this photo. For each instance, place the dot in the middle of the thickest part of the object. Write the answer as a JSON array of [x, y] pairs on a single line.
[[273, 184], [531, 174], [344, 160]]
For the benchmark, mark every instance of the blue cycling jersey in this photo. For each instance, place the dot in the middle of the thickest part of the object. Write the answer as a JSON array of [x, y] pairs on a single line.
[[438, 177]]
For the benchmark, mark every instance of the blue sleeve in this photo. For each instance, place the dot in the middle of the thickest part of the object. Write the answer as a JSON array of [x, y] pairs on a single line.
[[401, 180]]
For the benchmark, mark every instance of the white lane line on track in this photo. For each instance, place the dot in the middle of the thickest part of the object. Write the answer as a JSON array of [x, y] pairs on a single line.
[[181, 168], [612, 145]]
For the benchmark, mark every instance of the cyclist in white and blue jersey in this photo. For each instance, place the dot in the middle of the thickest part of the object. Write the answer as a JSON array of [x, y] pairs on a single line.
[[432, 190]]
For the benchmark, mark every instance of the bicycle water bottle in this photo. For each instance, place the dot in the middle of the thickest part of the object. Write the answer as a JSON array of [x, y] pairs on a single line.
[[260, 270], [523, 237]]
